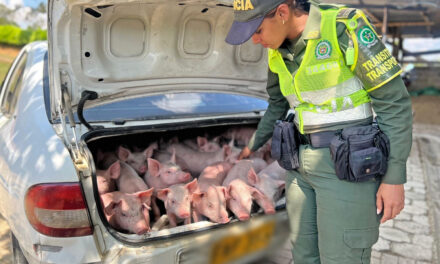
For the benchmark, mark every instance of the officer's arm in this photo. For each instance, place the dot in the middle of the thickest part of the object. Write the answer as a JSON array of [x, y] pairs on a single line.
[[277, 109], [392, 105], [390, 101]]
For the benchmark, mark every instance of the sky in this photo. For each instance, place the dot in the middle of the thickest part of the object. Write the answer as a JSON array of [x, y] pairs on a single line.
[[13, 3]]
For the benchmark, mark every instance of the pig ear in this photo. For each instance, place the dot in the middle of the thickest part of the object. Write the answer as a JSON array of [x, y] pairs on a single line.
[[216, 139], [163, 193], [145, 196], [202, 141], [280, 184], [227, 151], [225, 192], [173, 156], [253, 178], [197, 196], [229, 189], [153, 167], [110, 209], [192, 186], [148, 152], [231, 143], [123, 153], [255, 193], [115, 170]]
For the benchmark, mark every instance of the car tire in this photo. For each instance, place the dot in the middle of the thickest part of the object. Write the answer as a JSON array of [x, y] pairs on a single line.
[[17, 254]]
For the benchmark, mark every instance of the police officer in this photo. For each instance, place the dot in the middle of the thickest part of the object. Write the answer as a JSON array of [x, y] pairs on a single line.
[[327, 63]]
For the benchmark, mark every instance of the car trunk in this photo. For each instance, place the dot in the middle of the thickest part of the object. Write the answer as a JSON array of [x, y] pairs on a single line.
[[108, 140]]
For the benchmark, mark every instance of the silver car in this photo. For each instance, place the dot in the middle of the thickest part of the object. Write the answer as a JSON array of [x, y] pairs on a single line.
[[123, 72]]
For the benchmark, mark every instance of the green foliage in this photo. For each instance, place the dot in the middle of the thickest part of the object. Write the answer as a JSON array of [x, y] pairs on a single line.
[[15, 36]]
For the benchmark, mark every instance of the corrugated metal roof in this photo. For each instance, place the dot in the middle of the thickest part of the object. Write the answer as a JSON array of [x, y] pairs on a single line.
[[408, 18]]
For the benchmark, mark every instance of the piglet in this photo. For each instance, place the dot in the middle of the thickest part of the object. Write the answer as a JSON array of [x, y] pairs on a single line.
[[238, 181], [177, 200], [129, 181], [203, 144], [137, 160], [197, 160], [162, 175], [128, 212], [210, 199], [105, 178], [270, 181], [241, 134]]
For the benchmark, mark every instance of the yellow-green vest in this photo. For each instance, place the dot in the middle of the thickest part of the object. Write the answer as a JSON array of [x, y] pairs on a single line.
[[324, 91]]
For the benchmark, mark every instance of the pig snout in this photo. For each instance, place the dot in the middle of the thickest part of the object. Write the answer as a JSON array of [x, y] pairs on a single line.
[[224, 217], [141, 228], [185, 177], [223, 220], [269, 210], [183, 214], [143, 169], [243, 216]]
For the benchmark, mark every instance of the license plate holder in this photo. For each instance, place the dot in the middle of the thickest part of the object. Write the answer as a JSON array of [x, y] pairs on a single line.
[[233, 247]]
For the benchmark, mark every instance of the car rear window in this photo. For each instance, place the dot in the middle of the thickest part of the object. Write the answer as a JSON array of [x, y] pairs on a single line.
[[175, 105]]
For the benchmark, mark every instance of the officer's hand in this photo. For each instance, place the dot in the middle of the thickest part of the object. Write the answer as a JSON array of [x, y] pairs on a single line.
[[245, 152], [391, 199]]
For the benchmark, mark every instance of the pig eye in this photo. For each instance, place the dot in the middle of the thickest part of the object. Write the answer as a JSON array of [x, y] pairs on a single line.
[[210, 205], [124, 215], [173, 201]]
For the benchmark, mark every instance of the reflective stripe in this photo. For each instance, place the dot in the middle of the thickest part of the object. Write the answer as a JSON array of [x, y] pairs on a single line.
[[317, 119], [293, 101], [343, 89]]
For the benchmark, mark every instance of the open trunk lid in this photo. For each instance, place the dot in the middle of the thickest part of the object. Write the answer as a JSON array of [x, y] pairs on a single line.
[[121, 49]]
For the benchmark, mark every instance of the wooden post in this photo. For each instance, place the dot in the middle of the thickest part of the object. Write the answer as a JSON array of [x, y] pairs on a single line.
[[385, 25]]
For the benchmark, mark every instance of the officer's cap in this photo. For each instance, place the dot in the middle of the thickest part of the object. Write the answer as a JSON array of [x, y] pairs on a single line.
[[248, 15]]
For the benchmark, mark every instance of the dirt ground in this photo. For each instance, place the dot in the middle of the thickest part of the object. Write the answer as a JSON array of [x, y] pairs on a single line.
[[426, 109], [8, 53]]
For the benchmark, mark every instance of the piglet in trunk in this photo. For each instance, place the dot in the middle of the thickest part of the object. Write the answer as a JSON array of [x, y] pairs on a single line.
[[137, 160], [129, 181], [177, 200], [241, 134], [163, 175], [105, 178], [270, 181], [210, 199], [242, 194], [197, 161], [128, 212], [203, 144]]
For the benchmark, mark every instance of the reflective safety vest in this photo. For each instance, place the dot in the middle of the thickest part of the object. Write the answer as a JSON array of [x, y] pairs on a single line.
[[324, 91]]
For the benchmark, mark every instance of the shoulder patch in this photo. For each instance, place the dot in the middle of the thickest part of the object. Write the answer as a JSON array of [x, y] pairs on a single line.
[[346, 13]]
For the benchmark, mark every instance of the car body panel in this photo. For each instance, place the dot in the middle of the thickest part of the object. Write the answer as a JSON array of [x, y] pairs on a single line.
[[32, 153]]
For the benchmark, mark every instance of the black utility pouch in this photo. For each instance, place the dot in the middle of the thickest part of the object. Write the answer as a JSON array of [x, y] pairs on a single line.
[[360, 153], [285, 143]]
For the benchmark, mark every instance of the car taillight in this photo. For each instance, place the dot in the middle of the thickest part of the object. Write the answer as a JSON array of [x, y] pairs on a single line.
[[58, 210]]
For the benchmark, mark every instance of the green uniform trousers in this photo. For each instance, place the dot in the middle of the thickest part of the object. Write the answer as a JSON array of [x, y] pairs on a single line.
[[331, 221]]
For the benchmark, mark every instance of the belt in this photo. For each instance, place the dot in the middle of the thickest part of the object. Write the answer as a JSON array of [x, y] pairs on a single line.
[[319, 139]]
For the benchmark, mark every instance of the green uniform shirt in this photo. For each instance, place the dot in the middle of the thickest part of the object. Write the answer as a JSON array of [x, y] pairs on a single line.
[[391, 102]]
